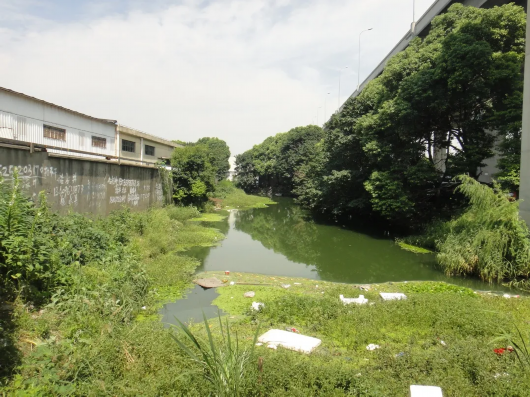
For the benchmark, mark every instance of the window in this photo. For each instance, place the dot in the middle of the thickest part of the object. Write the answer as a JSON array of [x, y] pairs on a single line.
[[149, 150], [54, 133], [99, 142], [128, 146]]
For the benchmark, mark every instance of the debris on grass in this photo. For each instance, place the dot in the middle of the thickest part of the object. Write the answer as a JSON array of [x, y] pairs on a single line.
[[391, 296], [290, 340], [361, 300]]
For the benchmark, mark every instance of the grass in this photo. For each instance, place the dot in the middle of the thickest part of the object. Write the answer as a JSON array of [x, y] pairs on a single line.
[[209, 217], [238, 199], [413, 248], [409, 332], [100, 334]]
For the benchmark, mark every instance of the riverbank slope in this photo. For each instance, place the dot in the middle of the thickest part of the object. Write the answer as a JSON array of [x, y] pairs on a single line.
[[441, 334]]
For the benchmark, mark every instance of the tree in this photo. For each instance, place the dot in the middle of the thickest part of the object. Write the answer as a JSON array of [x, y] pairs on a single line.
[[193, 174], [219, 154], [432, 114], [274, 163]]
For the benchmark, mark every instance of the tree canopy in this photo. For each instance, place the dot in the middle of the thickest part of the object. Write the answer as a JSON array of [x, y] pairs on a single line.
[[438, 110], [275, 163]]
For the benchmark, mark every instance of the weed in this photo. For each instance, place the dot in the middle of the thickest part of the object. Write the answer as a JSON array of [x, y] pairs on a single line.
[[224, 362]]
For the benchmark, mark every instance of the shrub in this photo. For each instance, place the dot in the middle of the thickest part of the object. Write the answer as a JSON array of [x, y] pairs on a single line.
[[488, 239]]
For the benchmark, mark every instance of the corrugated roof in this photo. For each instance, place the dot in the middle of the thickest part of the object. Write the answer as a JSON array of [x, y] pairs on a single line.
[[57, 106]]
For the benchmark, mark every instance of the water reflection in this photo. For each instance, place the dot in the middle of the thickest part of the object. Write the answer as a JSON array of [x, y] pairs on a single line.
[[283, 240]]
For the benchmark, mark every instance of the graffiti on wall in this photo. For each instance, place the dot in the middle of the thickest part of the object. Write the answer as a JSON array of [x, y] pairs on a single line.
[[68, 189]]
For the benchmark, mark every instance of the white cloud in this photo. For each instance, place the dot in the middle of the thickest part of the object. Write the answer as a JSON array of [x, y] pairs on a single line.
[[238, 70]]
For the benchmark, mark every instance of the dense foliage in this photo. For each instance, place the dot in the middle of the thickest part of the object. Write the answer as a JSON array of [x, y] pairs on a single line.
[[73, 292], [219, 154], [196, 169], [274, 165], [488, 239], [439, 109]]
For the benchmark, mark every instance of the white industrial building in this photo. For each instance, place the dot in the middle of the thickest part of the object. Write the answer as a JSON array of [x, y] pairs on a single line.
[[61, 131], [28, 119]]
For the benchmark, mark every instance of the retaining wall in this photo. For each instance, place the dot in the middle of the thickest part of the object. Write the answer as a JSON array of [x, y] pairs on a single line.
[[94, 186]]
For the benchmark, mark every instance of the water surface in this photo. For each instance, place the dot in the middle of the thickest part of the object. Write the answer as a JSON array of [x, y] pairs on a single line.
[[283, 240]]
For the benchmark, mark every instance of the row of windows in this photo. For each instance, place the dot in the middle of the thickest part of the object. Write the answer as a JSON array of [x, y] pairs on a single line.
[[126, 146], [130, 146]]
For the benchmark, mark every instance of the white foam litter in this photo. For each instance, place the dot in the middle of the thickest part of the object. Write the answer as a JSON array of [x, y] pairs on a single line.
[[392, 296], [361, 300], [289, 340]]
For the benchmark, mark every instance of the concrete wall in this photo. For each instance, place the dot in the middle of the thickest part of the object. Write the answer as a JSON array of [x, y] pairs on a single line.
[[82, 185], [22, 118]]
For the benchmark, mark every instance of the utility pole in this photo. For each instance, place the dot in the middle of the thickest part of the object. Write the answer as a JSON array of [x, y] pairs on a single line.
[[413, 24], [338, 98], [326, 107], [359, 65], [524, 185]]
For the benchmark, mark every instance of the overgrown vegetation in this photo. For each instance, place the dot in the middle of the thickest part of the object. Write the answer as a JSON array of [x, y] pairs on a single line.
[[227, 195], [441, 335], [72, 288], [274, 164], [196, 169], [436, 111], [225, 363], [488, 239]]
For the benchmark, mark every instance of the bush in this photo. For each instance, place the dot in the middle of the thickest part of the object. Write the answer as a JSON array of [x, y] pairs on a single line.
[[489, 239], [224, 188]]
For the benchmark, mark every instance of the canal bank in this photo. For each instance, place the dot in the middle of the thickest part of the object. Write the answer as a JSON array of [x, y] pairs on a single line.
[[282, 240]]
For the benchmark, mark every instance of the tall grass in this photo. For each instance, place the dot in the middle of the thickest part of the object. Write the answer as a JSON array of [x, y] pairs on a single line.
[[488, 240], [224, 363], [75, 286]]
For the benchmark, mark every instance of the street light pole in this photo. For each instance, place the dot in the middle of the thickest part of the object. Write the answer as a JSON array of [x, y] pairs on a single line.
[[326, 107], [413, 25], [359, 65], [338, 98]]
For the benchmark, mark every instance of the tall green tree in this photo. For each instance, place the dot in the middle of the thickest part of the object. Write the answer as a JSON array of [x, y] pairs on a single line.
[[435, 112], [275, 163], [193, 175], [219, 154]]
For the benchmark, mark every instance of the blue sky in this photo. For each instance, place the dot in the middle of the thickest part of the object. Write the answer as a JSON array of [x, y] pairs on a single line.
[[240, 70]]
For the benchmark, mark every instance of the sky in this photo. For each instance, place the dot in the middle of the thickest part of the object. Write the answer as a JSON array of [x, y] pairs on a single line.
[[239, 70]]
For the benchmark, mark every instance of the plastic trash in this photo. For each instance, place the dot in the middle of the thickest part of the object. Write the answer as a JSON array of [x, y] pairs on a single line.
[[286, 286], [361, 300], [297, 283], [144, 308], [292, 330], [371, 346], [425, 391], [443, 343], [392, 296], [257, 305], [290, 340], [232, 283], [271, 346], [227, 272], [249, 294]]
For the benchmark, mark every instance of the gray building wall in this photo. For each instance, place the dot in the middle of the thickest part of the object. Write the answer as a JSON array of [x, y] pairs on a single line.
[[82, 185]]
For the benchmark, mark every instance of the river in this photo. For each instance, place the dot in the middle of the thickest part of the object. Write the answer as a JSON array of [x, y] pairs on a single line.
[[283, 240]]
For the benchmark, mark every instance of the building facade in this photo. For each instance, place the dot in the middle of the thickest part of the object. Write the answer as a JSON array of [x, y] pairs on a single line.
[[139, 147], [62, 131]]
